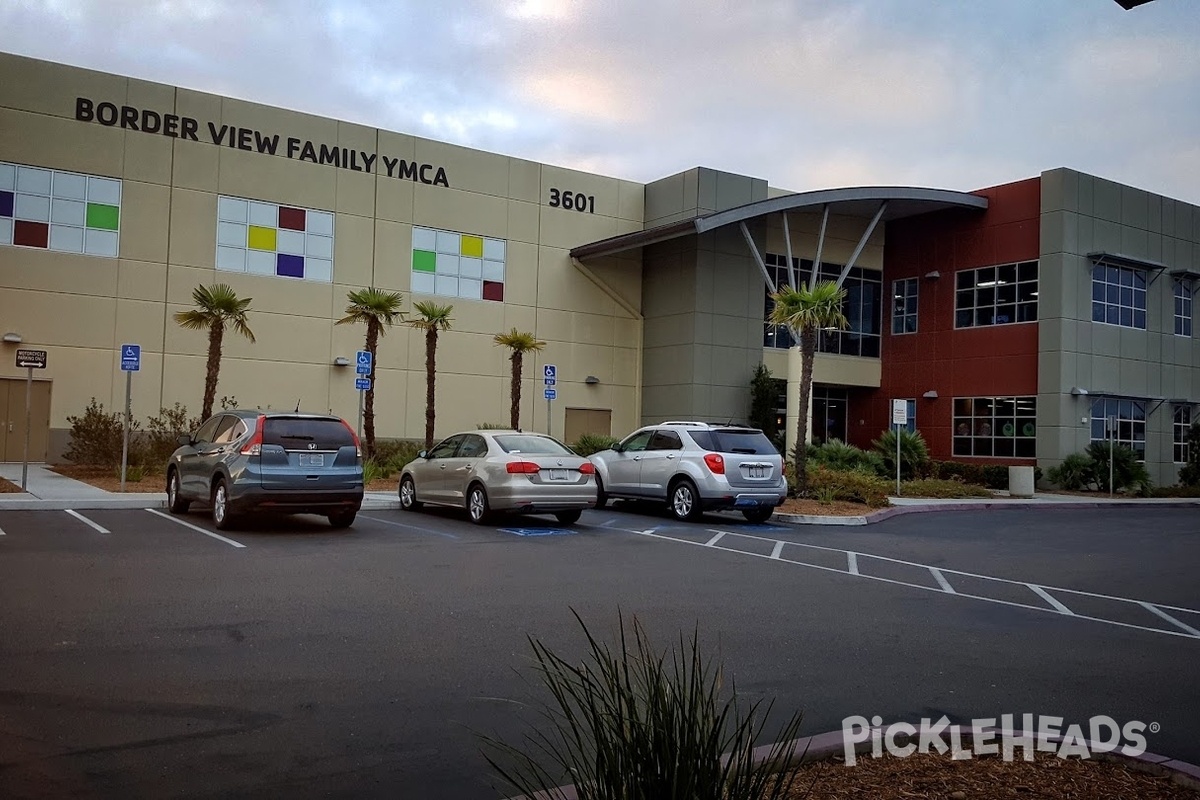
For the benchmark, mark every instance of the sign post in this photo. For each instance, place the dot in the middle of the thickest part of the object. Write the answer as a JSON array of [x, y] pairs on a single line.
[[30, 360], [363, 366], [899, 419], [131, 362], [550, 377]]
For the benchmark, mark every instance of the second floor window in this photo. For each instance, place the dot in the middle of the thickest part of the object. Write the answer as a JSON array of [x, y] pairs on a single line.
[[1119, 296], [999, 295], [862, 307], [1184, 287], [904, 306]]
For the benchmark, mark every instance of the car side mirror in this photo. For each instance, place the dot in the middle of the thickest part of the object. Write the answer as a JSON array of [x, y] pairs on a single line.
[[618, 448], [185, 440], [423, 454]]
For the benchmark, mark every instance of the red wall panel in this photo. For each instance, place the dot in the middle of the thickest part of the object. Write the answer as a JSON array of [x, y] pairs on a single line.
[[991, 361]]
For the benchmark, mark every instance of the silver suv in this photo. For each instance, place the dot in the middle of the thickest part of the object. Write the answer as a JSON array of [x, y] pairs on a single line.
[[695, 467]]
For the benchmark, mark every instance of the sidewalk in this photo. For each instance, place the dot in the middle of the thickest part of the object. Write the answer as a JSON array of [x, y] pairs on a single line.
[[50, 491]]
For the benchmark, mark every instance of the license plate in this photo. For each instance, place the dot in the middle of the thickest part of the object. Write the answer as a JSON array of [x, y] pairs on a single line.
[[312, 459], [560, 475], [757, 471]]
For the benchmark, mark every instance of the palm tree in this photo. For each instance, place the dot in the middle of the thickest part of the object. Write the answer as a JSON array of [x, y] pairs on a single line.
[[520, 343], [806, 311], [216, 306], [430, 318], [379, 310]]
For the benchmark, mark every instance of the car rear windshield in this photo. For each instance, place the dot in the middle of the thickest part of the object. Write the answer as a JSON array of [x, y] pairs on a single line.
[[531, 445], [733, 440], [297, 433]]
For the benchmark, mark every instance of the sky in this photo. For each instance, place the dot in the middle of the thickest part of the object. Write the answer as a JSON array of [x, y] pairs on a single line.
[[808, 94]]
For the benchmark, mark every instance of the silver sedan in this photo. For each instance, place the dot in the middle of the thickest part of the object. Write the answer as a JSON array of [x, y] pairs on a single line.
[[491, 471]]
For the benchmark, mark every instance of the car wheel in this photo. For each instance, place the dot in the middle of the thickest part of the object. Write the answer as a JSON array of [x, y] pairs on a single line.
[[342, 519], [221, 516], [568, 517], [477, 505], [685, 501], [760, 514], [601, 497], [175, 503], [408, 494]]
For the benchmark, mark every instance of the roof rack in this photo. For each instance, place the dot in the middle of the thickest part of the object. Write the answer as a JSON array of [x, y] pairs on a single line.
[[687, 423]]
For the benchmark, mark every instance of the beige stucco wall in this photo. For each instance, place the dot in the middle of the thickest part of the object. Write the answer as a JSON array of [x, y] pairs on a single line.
[[81, 308]]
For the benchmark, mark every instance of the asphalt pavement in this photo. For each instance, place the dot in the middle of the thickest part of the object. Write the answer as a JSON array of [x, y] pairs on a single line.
[[147, 655]]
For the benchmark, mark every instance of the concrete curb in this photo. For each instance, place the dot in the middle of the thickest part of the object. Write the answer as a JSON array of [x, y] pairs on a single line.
[[983, 505], [828, 745]]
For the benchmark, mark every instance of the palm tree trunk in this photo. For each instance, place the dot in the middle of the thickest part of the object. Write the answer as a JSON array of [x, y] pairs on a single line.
[[215, 334], [369, 401], [808, 352], [430, 380], [514, 415]]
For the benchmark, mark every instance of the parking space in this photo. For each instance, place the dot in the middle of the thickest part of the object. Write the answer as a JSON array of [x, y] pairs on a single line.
[[359, 662]]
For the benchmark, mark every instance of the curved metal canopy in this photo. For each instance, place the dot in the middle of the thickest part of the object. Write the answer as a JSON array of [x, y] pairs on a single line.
[[857, 201]]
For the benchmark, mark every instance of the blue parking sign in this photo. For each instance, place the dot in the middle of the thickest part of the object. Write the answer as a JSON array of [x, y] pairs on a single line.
[[362, 383], [551, 394], [131, 357], [362, 362]]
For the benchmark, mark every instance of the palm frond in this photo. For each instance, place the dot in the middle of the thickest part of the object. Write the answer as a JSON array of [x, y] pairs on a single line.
[[431, 316], [818, 307], [518, 341], [372, 303]]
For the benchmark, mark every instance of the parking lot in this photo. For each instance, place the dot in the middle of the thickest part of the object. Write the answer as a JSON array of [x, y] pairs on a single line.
[[145, 655]]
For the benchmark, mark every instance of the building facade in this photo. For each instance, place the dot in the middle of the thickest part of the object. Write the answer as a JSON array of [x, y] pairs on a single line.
[[1019, 322]]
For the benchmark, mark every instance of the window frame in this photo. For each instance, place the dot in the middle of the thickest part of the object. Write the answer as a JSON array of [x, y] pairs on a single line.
[[1183, 306], [1139, 286], [1129, 423], [1179, 433], [902, 313], [863, 306], [987, 282], [986, 419]]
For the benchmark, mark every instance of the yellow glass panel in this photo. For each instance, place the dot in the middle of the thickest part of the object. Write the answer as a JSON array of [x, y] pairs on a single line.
[[472, 246], [261, 238]]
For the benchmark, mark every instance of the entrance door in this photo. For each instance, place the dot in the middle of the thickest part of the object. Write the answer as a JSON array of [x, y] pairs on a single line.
[[12, 420]]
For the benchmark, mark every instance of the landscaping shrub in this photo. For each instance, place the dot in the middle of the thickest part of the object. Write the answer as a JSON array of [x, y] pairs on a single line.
[[1128, 472], [97, 438], [942, 488], [763, 400], [1076, 472], [852, 486], [590, 443], [161, 437], [837, 455], [633, 722], [372, 471], [393, 454], [492, 426], [914, 454], [1175, 491]]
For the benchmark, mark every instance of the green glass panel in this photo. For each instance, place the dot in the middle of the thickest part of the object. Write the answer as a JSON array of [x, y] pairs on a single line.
[[424, 261], [103, 217]]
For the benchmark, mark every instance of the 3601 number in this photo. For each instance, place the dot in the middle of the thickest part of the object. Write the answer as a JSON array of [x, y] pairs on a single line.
[[573, 201]]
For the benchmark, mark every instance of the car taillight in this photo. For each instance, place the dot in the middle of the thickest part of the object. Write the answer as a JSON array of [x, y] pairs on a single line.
[[254, 446], [716, 464], [354, 436], [587, 468], [522, 467]]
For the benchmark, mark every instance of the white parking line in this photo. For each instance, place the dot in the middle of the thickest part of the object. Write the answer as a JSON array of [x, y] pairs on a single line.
[[852, 563], [411, 527], [942, 582], [1042, 593], [196, 528], [715, 539], [777, 550], [1181, 633], [87, 521], [1156, 610]]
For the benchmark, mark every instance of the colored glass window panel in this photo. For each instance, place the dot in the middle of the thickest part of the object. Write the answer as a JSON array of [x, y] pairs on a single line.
[[31, 234], [290, 266], [472, 246], [291, 218], [260, 238], [493, 291], [424, 261], [6, 204], [106, 218]]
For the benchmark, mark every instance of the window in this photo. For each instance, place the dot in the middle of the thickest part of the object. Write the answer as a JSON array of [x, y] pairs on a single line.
[[1119, 296], [665, 440], [1127, 420], [531, 444], [829, 408], [1184, 288], [1180, 428], [230, 430], [904, 306], [911, 416], [1004, 427], [298, 433], [208, 429], [998, 295], [636, 443], [745, 441], [473, 446], [862, 307], [447, 448]]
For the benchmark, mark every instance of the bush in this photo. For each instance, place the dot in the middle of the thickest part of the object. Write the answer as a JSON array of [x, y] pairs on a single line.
[[763, 400], [1076, 472], [590, 443], [633, 722], [837, 455], [492, 426], [942, 488], [161, 437], [954, 470], [1175, 491], [393, 454], [133, 472], [851, 486], [372, 471], [914, 454], [97, 438], [1128, 472]]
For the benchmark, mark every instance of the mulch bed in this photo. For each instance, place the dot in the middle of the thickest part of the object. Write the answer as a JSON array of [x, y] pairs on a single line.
[[8, 487], [982, 778], [110, 480]]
